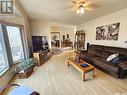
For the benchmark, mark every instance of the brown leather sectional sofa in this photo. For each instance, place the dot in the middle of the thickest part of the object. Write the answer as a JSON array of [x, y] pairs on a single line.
[[97, 56]]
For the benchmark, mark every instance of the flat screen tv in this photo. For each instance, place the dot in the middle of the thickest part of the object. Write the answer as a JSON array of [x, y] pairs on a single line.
[[39, 43]]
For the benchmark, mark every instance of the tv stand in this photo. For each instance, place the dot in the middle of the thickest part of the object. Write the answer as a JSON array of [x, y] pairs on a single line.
[[42, 56]]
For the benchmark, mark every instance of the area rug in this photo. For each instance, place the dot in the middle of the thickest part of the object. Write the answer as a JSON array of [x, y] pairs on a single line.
[[56, 51]]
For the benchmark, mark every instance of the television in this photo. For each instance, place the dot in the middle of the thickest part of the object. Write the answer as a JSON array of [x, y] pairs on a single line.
[[39, 43]]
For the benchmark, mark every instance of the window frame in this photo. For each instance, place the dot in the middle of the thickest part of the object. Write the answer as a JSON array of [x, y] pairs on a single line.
[[7, 44], [22, 40], [5, 52]]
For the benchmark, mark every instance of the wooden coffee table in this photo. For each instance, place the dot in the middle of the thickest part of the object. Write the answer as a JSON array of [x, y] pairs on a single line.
[[80, 68]]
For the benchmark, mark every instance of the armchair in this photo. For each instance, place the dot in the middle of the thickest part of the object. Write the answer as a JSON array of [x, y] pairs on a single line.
[[19, 90]]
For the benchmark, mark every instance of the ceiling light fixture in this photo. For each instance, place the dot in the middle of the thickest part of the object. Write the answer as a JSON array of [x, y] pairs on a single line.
[[81, 10], [78, 11], [81, 7]]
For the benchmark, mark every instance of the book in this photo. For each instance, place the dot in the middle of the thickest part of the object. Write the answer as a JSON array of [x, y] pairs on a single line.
[[84, 65]]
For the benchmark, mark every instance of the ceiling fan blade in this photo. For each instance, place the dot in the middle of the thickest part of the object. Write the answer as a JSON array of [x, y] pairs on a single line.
[[74, 2], [91, 4], [88, 3], [89, 9], [92, 7], [77, 1], [69, 6], [73, 8]]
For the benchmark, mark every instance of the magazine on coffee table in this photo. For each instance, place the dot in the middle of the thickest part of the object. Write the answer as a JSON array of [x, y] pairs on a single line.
[[84, 65]]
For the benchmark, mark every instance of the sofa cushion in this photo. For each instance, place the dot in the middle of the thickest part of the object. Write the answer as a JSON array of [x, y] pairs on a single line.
[[112, 57], [119, 59], [88, 57], [122, 57], [106, 54], [95, 52], [107, 66], [115, 61], [115, 50], [96, 47]]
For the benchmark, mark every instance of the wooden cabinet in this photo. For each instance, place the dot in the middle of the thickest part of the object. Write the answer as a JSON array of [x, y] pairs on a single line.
[[39, 43], [42, 56], [79, 40], [66, 43]]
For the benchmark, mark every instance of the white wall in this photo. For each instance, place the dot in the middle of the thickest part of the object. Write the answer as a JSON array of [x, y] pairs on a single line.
[[41, 29], [90, 28], [15, 20], [21, 20], [8, 75], [65, 31], [27, 34]]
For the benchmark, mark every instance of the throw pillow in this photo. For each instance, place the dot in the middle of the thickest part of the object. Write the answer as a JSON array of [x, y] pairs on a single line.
[[115, 60], [112, 57], [122, 58]]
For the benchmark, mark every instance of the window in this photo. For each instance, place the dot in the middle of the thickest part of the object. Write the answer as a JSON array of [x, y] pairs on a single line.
[[15, 40], [11, 46], [3, 56]]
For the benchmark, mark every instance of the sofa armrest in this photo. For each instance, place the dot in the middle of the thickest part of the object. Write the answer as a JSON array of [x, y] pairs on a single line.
[[122, 69], [34, 93], [84, 51], [7, 86], [123, 65]]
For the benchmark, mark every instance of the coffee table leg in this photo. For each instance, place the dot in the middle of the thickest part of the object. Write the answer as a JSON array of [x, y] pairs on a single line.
[[93, 74], [68, 63], [83, 76]]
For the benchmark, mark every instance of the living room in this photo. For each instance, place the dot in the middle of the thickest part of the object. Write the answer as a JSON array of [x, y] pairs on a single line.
[[84, 48]]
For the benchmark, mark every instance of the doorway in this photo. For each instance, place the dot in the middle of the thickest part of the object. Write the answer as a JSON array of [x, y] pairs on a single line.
[[55, 39]]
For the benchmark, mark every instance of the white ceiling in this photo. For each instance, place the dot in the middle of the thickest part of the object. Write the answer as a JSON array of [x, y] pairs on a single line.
[[59, 11]]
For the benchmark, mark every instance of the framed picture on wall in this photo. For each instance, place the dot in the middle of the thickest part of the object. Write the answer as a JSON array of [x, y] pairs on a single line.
[[108, 32], [67, 36], [63, 37]]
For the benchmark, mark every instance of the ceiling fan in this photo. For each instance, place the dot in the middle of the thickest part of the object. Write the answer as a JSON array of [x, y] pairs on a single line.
[[82, 6]]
